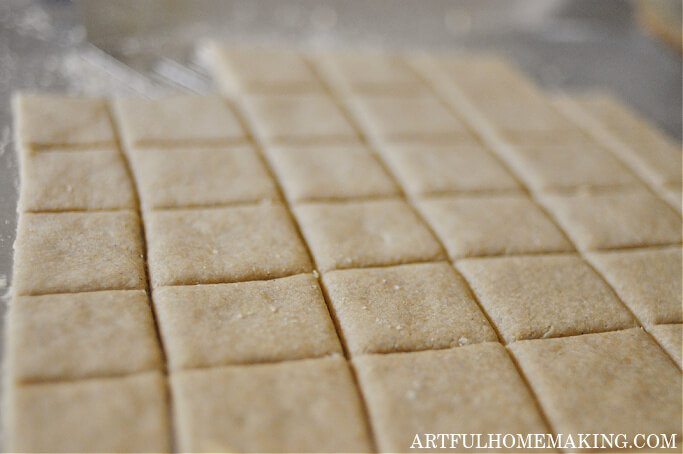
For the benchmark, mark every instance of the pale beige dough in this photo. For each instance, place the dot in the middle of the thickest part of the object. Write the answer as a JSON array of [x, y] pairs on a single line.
[[571, 165], [240, 70], [247, 322], [299, 406], [76, 252], [332, 172], [462, 166], [297, 120], [60, 121], [368, 73], [362, 234], [516, 118], [647, 280], [422, 119], [615, 220], [492, 225], [179, 120], [75, 180], [126, 414], [473, 389], [195, 177], [221, 245], [532, 297], [81, 335], [669, 337], [620, 382], [405, 308], [673, 194]]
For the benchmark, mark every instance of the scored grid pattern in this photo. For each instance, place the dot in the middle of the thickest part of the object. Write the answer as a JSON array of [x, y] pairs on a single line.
[[380, 147]]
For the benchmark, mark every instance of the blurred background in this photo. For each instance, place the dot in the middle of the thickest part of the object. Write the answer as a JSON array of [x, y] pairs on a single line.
[[147, 47]]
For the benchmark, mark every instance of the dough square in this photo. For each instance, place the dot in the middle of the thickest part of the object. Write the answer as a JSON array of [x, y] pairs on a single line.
[[616, 382], [72, 180], [472, 389], [127, 414], [615, 220], [463, 166], [370, 74], [247, 322], [240, 70], [647, 280], [405, 308], [571, 165], [408, 119], [179, 120], [323, 173], [492, 225], [673, 194], [59, 121], [194, 177], [544, 296], [220, 245], [81, 335], [297, 406], [78, 252], [301, 119], [515, 117], [363, 234], [669, 337]]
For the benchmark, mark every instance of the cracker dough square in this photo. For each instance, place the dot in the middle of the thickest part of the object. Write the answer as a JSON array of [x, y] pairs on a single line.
[[519, 117], [78, 252], [362, 234], [323, 173], [615, 220], [544, 296], [302, 119], [179, 120], [239, 70], [647, 280], [669, 337], [463, 166], [492, 225], [405, 308], [126, 414], [367, 73], [220, 245], [81, 335], [473, 389], [620, 382], [673, 194], [571, 165], [247, 322], [194, 177], [75, 180], [408, 119], [59, 121], [299, 406]]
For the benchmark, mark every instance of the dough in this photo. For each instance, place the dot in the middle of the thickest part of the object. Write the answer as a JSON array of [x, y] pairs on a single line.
[[128, 414], [405, 308], [615, 220], [247, 322], [669, 337], [75, 180], [492, 225], [77, 252], [362, 234], [460, 167], [298, 120], [195, 177], [299, 406], [329, 173], [620, 382], [647, 280], [180, 120], [220, 245], [81, 335], [544, 296], [473, 389]]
